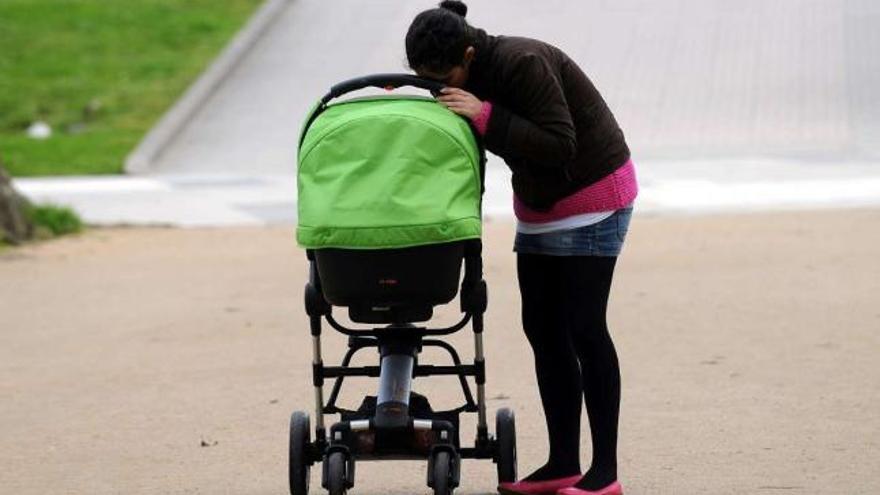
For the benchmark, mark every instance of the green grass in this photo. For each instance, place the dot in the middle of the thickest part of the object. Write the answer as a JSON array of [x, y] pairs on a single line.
[[101, 73], [54, 220], [49, 221]]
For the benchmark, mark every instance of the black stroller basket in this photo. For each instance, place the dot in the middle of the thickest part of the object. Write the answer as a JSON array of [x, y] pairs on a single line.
[[396, 289]]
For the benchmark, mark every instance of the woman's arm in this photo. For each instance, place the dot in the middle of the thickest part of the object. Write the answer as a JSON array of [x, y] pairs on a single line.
[[543, 133]]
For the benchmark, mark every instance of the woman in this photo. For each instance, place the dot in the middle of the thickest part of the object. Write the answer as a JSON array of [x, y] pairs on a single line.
[[574, 186]]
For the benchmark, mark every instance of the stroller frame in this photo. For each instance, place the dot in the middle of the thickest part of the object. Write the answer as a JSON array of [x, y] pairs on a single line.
[[399, 345]]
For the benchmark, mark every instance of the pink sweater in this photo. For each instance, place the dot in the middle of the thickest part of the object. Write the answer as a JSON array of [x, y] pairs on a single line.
[[611, 193]]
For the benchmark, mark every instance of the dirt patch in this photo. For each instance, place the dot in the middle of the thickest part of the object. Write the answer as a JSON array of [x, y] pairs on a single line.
[[168, 361]]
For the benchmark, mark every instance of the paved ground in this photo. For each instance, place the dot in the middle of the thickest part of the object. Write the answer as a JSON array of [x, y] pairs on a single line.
[[148, 361]]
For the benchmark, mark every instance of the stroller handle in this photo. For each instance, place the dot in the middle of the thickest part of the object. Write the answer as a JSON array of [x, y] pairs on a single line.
[[382, 81]]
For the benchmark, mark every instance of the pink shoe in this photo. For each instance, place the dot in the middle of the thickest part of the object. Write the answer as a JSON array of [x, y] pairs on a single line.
[[547, 487], [612, 489]]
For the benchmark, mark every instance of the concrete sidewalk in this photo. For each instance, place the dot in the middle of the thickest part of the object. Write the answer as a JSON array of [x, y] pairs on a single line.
[[218, 200], [688, 80]]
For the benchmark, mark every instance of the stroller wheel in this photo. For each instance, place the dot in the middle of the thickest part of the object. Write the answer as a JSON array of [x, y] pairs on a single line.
[[337, 480], [505, 455], [299, 461], [441, 475]]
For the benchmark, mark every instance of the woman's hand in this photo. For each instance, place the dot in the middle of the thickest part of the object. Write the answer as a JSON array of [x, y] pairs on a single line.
[[460, 102]]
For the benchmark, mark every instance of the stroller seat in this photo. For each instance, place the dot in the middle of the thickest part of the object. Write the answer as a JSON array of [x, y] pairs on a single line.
[[391, 285]]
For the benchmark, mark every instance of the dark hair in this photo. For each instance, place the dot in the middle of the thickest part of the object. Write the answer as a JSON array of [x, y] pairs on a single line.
[[438, 38]]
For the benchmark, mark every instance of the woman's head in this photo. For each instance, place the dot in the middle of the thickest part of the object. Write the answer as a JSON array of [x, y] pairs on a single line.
[[439, 44]]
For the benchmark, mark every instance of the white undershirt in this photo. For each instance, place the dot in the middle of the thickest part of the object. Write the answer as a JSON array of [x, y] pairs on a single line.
[[568, 223]]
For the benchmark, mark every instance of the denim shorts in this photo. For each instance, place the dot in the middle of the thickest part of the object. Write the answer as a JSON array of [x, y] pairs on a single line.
[[600, 239]]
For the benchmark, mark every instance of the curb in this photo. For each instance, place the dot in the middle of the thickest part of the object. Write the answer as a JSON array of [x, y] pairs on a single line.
[[141, 159]]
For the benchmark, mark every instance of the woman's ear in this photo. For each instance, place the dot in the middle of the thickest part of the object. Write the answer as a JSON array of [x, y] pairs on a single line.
[[469, 54]]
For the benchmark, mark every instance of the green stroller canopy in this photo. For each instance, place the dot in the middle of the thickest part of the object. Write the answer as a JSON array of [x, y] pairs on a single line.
[[389, 172]]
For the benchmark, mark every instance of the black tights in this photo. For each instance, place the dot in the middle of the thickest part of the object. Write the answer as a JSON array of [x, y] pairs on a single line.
[[564, 301]]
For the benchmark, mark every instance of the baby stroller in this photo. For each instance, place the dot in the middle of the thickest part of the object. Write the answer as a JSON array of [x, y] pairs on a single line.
[[389, 211]]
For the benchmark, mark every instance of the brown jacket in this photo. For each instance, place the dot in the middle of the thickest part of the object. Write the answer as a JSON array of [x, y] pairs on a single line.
[[549, 123]]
